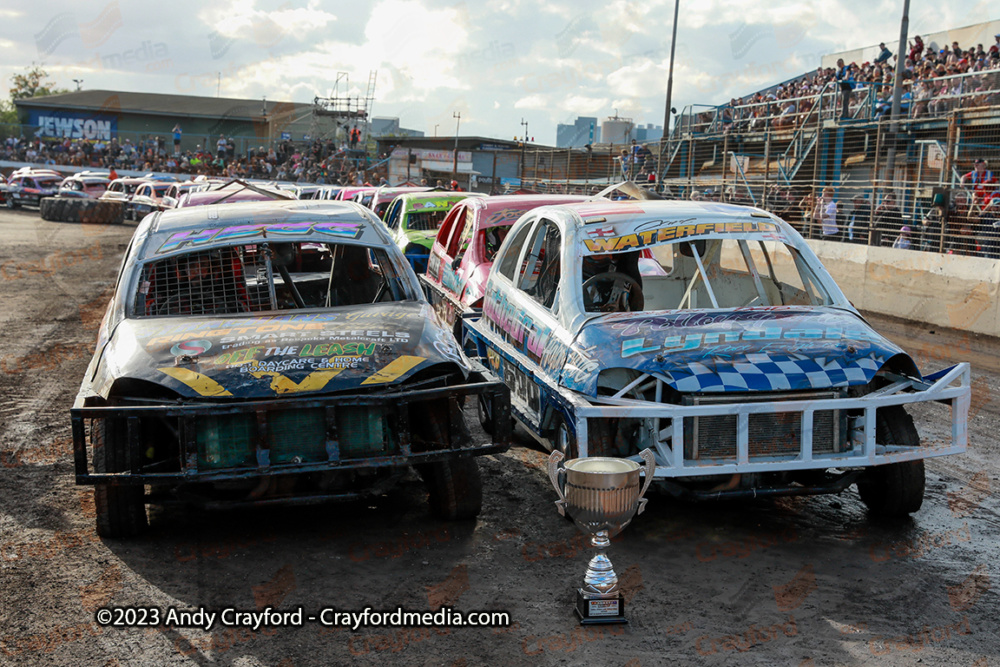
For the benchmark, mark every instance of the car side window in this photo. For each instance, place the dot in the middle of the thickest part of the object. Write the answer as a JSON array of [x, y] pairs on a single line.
[[540, 271], [392, 216], [507, 262], [28, 183], [447, 229], [460, 241]]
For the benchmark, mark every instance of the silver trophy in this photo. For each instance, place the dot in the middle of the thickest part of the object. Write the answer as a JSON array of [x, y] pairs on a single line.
[[601, 495]]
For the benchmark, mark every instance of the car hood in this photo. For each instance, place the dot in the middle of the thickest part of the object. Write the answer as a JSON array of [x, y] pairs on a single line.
[[784, 348], [360, 348]]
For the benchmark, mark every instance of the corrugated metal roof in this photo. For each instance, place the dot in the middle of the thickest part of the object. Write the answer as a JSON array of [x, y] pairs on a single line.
[[179, 106]]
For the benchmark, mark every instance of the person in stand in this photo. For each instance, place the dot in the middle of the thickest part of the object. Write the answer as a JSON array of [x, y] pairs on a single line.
[[983, 182], [883, 55], [928, 235], [826, 211], [902, 241], [888, 221], [856, 220], [845, 79], [177, 138]]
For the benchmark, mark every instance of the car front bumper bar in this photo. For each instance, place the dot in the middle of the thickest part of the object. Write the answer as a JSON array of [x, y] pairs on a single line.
[[951, 387], [395, 407]]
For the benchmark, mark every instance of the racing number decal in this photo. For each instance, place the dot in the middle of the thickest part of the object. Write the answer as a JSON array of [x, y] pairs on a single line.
[[525, 395]]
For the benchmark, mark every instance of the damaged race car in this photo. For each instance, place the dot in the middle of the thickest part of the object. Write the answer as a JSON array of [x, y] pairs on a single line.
[[270, 352], [743, 367]]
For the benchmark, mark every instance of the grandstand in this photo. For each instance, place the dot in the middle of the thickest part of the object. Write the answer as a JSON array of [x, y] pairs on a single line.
[[782, 147]]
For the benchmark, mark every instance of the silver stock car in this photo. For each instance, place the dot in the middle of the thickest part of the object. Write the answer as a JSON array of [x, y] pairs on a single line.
[[272, 352], [743, 367]]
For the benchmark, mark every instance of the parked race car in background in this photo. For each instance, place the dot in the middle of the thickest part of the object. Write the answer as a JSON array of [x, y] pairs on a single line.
[[385, 194], [288, 359], [122, 190], [84, 185], [744, 368], [175, 191], [28, 187], [414, 219], [148, 198], [463, 250]]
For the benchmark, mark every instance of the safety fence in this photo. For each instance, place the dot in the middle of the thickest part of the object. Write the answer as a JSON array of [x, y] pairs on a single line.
[[914, 184]]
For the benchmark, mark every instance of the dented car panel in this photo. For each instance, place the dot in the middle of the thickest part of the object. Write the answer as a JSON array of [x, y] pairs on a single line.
[[743, 358]]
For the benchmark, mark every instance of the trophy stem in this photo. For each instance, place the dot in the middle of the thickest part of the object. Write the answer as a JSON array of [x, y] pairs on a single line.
[[601, 578]]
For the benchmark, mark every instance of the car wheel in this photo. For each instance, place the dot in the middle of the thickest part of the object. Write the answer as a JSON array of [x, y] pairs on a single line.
[[895, 489], [485, 413], [121, 510], [455, 488], [562, 439]]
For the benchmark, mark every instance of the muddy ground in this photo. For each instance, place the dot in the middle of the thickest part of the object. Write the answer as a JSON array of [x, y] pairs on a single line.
[[803, 581]]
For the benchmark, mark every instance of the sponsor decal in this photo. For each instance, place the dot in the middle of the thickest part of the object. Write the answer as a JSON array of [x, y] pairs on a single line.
[[201, 237], [675, 232], [633, 346], [75, 127], [191, 347]]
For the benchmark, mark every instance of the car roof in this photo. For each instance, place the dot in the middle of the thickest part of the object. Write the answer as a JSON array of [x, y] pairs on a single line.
[[309, 220], [617, 226], [434, 201]]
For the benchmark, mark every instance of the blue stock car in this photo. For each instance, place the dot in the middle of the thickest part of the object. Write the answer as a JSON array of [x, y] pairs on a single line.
[[743, 367]]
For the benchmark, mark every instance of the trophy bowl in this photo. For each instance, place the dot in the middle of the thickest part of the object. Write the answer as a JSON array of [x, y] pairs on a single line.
[[602, 495]]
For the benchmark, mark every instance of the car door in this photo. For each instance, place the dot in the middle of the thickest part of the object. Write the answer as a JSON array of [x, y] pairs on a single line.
[[519, 307], [455, 271], [437, 260]]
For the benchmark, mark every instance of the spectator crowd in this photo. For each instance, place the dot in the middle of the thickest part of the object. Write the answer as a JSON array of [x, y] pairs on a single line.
[[935, 81], [320, 162]]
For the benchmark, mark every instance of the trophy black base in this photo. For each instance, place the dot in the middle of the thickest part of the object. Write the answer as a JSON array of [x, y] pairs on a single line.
[[596, 610]]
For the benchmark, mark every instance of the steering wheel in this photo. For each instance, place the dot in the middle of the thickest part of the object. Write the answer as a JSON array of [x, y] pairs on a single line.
[[620, 293]]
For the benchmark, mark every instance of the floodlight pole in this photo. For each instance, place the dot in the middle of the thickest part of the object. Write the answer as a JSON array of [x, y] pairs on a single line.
[[897, 92], [454, 164], [666, 112]]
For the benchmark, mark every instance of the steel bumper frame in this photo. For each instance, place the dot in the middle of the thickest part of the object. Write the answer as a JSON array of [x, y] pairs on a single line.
[[395, 403], [951, 386]]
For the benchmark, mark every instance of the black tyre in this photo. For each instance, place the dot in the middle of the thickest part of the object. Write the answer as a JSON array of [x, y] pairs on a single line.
[[896, 489], [562, 439], [121, 510], [59, 209], [455, 488], [485, 413]]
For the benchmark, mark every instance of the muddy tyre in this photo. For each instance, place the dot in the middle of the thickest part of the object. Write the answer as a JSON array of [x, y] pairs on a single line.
[[896, 489], [455, 488], [59, 209], [121, 510]]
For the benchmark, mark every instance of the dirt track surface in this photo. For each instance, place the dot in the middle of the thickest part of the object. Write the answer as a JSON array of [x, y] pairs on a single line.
[[803, 581]]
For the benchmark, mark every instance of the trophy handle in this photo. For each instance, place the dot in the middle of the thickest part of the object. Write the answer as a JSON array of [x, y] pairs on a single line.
[[555, 458], [650, 459]]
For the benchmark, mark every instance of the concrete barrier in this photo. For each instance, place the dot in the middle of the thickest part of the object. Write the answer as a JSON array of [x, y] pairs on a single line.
[[944, 290]]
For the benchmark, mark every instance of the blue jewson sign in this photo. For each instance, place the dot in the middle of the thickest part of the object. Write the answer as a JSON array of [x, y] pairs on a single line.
[[73, 125]]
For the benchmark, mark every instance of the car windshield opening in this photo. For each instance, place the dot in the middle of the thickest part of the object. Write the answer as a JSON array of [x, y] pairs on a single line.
[[425, 221], [266, 276], [706, 273]]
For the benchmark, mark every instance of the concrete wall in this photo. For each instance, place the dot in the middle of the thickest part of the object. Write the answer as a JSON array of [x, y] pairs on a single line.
[[943, 290], [968, 36]]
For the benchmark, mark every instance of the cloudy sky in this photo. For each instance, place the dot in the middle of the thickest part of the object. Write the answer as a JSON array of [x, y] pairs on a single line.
[[495, 62]]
